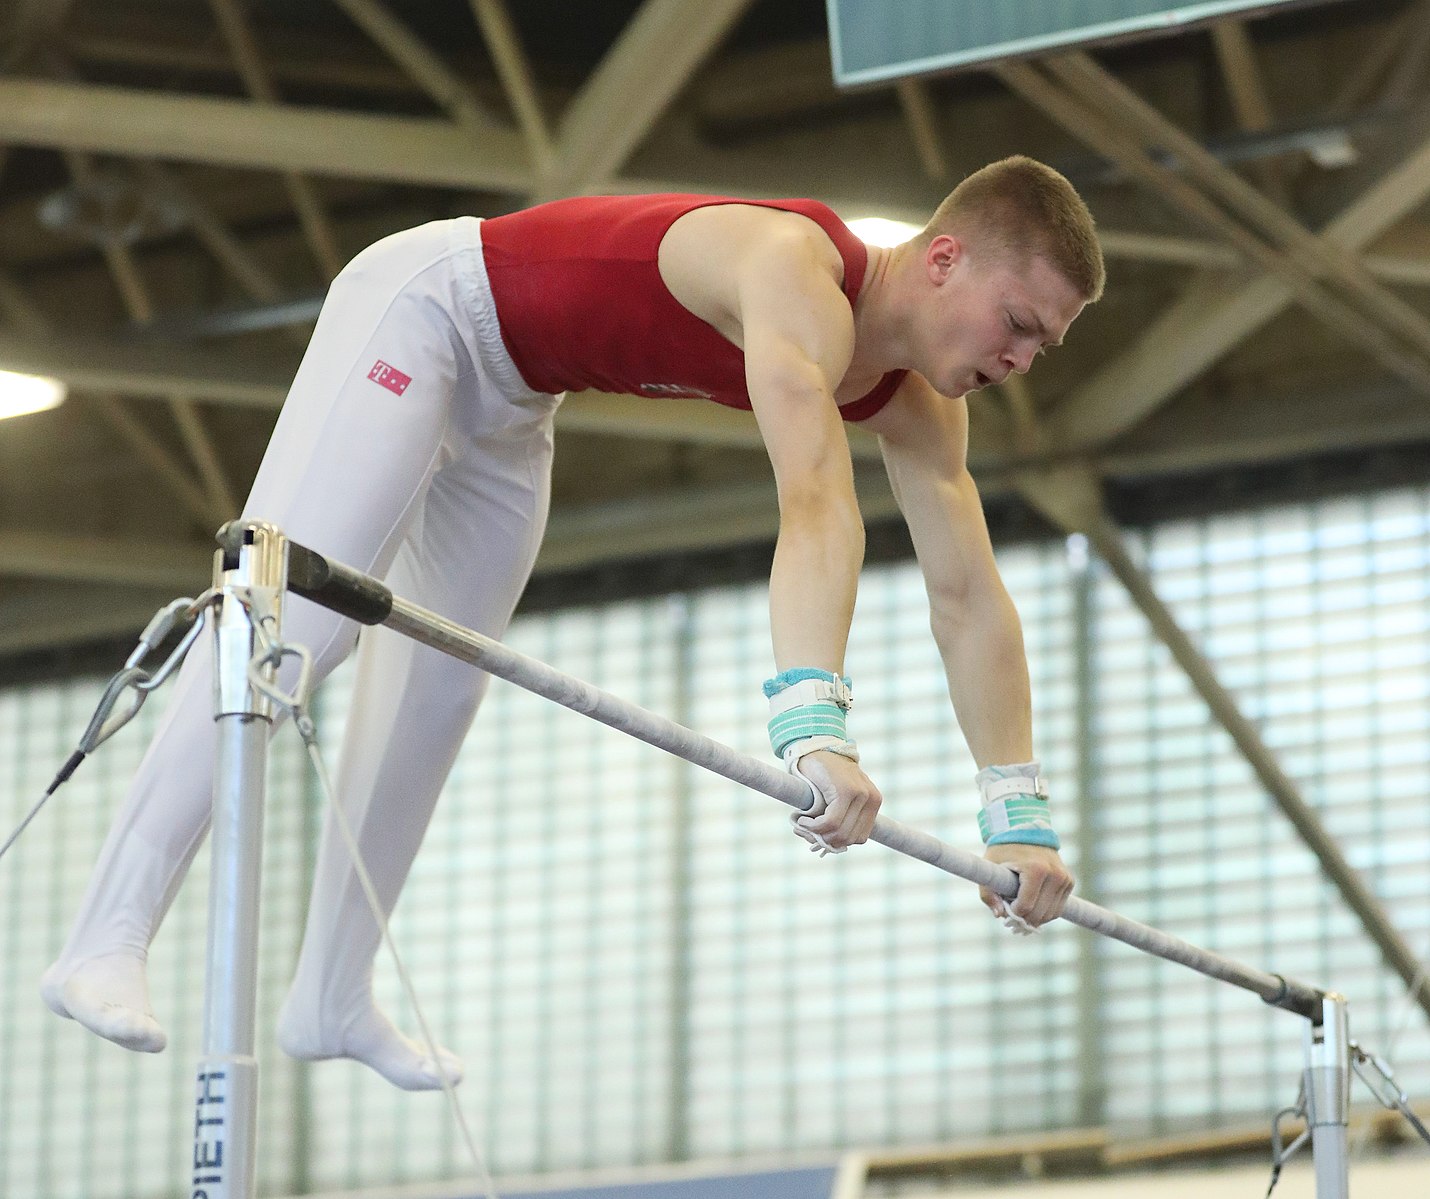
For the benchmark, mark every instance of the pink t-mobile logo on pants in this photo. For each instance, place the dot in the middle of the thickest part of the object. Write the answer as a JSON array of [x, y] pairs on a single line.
[[389, 377]]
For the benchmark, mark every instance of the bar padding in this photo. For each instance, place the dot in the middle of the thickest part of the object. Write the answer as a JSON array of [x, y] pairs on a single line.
[[340, 588]]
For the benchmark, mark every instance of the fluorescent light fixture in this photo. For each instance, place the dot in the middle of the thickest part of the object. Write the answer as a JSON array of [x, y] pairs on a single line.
[[880, 231], [20, 394]]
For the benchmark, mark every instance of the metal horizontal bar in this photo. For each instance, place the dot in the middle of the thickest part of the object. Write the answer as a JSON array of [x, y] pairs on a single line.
[[535, 676]]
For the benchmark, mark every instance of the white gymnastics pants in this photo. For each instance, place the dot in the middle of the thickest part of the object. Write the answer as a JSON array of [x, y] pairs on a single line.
[[408, 448]]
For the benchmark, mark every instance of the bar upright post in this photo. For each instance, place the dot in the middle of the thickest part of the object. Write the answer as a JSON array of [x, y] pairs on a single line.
[[250, 571], [1328, 1096]]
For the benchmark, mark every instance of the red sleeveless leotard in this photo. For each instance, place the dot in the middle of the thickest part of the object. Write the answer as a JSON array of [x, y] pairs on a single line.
[[582, 305]]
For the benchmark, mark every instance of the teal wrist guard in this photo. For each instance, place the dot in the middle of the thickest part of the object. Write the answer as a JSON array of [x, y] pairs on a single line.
[[1015, 810], [807, 702]]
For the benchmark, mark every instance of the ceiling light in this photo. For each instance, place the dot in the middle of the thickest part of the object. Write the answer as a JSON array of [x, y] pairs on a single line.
[[880, 231], [20, 394]]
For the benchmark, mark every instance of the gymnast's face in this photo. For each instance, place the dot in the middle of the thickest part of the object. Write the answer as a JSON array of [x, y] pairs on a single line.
[[989, 315]]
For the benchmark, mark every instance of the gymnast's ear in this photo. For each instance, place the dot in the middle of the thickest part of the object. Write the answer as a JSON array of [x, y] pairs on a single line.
[[942, 255]]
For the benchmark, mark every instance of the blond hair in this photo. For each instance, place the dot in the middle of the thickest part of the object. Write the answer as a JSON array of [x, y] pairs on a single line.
[[1021, 207]]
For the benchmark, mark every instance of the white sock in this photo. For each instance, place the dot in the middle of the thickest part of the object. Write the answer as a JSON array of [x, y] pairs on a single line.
[[109, 995], [98, 979], [411, 707], [371, 1038]]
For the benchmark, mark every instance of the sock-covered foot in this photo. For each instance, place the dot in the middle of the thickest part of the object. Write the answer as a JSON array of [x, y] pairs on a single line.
[[372, 1039], [109, 995]]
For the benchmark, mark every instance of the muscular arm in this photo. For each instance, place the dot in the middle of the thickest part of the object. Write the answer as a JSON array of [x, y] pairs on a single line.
[[924, 439], [770, 281], [798, 336]]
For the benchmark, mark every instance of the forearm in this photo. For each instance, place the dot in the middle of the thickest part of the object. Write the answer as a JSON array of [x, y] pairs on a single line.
[[814, 580], [981, 642]]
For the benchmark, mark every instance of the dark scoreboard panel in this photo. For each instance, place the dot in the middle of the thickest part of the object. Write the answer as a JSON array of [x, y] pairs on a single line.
[[874, 40]]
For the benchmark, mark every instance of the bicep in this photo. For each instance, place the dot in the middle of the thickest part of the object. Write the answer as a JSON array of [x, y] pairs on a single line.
[[798, 334]]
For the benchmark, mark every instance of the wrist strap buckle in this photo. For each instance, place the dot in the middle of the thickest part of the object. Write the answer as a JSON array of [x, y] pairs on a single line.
[[1018, 785], [812, 691]]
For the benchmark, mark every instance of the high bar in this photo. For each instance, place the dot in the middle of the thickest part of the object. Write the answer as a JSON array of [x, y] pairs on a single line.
[[360, 597]]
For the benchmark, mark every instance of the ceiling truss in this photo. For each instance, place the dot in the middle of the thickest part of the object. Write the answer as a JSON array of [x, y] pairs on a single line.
[[1240, 247]]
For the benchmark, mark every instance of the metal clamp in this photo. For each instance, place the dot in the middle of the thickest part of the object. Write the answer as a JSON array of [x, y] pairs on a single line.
[[249, 570], [1376, 1073], [106, 721], [1281, 1153], [269, 653]]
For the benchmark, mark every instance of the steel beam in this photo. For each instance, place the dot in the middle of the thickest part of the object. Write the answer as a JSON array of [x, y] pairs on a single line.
[[277, 137], [922, 123], [147, 448], [313, 61], [1247, 89], [641, 74], [218, 504], [116, 120], [1406, 78], [158, 370], [517, 80], [278, 313], [1361, 79], [1081, 74], [1205, 323], [1072, 499], [679, 520], [1298, 421], [258, 81], [1239, 68], [1292, 422], [243, 266], [422, 64], [141, 441], [1084, 120]]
